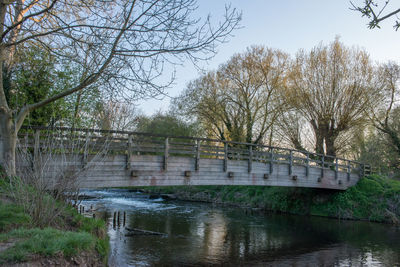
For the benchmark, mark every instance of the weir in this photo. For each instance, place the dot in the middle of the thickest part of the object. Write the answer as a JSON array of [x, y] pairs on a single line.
[[104, 159]]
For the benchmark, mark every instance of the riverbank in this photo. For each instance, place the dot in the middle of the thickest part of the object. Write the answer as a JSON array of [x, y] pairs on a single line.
[[69, 239], [374, 198]]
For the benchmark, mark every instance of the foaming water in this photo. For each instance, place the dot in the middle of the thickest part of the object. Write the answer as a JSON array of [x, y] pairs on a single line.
[[198, 234], [140, 204]]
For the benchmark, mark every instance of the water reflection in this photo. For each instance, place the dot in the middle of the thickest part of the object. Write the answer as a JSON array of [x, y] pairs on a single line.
[[202, 234]]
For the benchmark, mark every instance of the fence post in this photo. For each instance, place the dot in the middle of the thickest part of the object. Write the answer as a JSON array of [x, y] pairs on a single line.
[[250, 159], [197, 163], [166, 154], [308, 164], [336, 168], [348, 170], [322, 166], [271, 161], [35, 161], [225, 156], [129, 153], [290, 162], [85, 151]]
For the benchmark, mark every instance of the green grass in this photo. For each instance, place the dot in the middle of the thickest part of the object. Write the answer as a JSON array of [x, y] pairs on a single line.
[[71, 234], [12, 216], [44, 242], [89, 235], [374, 198]]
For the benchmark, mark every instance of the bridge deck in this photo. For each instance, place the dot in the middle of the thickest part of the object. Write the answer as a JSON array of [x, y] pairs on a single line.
[[118, 159]]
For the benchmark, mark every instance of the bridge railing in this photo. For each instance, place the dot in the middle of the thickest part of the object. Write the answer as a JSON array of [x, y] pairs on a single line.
[[90, 141]]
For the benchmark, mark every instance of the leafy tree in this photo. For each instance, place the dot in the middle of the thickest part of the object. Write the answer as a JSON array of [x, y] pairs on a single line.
[[386, 115], [34, 78], [167, 123], [119, 47], [241, 100], [332, 86]]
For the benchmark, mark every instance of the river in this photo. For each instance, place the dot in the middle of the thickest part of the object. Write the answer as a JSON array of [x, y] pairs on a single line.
[[198, 234]]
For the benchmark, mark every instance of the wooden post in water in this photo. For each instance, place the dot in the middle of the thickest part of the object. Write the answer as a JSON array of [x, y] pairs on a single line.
[[291, 162], [225, 156], [129, 153], [197, 163], [166, 154], [250, 166]]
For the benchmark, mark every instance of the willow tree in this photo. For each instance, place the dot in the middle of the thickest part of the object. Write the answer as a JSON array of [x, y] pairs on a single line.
[[119, 46], [240, 101], [332, 86], [386, 114]]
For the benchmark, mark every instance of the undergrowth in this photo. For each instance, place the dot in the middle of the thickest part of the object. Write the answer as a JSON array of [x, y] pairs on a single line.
[[374, 198], [22, 237]]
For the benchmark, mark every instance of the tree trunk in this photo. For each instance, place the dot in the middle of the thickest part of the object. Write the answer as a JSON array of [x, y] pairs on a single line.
[[330, 145], [8, 141]]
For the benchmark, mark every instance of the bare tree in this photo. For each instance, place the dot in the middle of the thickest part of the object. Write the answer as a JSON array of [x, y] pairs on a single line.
[[241, 100], [53, 169], [377, 11], [112, 115], [120, 46], [332, 86]]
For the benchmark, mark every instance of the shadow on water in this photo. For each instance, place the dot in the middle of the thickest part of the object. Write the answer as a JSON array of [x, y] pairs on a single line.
[[193, 234]]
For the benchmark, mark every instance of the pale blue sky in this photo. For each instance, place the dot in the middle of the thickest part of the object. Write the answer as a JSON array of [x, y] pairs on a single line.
[[288, 25]]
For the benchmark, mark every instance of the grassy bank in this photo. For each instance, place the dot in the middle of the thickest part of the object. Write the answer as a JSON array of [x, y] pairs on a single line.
[[374, 198], [69, 240]]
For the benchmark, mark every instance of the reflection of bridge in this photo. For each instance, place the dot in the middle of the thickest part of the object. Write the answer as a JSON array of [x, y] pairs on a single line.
[[120, 159]]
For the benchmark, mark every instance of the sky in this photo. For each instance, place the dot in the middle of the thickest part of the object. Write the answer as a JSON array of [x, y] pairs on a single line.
[[288, 25]]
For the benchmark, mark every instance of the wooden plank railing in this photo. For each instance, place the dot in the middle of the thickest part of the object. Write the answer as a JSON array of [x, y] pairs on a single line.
[[131, 143]]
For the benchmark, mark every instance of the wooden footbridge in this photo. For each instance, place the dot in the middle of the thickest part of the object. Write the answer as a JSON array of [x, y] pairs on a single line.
[[100, 159]]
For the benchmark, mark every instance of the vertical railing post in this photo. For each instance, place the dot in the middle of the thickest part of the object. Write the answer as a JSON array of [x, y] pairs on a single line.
[[129, 153], [291, 162], [225, 156], [250, 165], [85, 151], [271, 161], [362, 166], [336, 168], [166, 154], [308, 164], [322, 166], [197, 163], [35, 161], [348, 170], [26, 141]]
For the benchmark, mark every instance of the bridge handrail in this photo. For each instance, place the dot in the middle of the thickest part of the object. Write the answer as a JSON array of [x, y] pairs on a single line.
[[362, 167]]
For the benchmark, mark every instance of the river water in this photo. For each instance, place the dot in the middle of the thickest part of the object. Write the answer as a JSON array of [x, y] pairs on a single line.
[[197, 234]]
